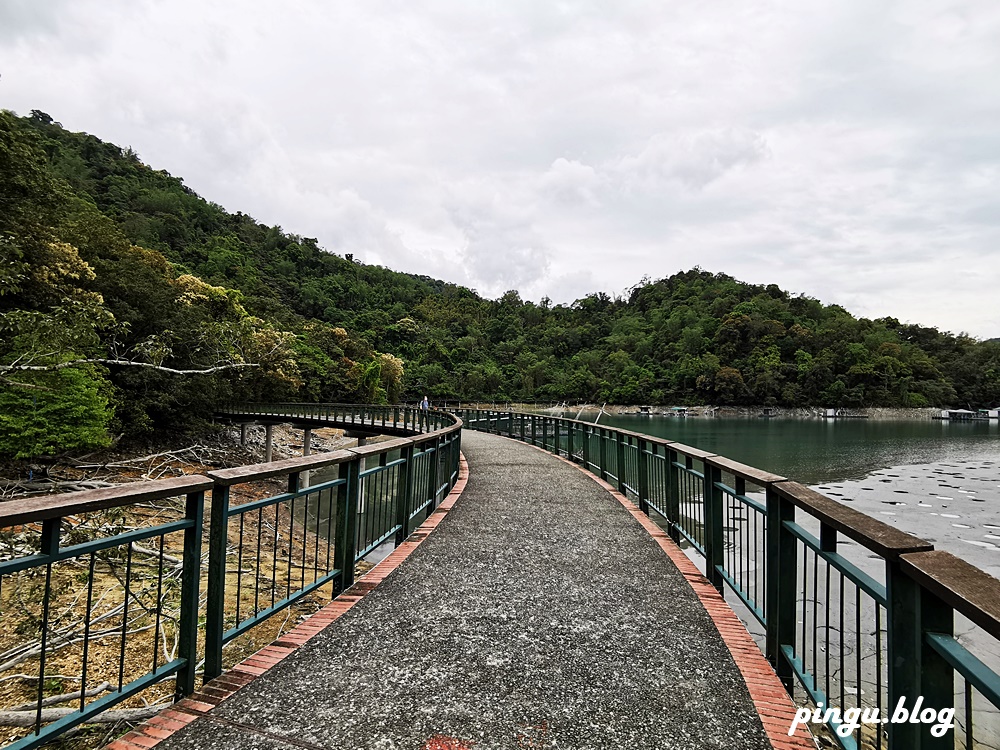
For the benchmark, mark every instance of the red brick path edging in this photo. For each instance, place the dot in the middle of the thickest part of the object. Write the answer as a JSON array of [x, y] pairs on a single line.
[[159, 727], [772, 702]]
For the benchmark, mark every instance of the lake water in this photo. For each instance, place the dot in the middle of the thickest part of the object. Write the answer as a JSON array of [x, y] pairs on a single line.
[[812, 451]]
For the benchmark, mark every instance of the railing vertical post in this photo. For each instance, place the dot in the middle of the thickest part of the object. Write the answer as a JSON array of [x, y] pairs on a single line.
[[545, 432], [602, 436], [687, 497], [520, 420], [404, 493], [218, 539], [587, 433], [904, 649], [534, 429], [435, 459], [620, 460], [937, 677], [714, 547], [49, 542], [449, 444], [457, 460], [347, 523], [827, 537], [570, 452], [187, 644], [781, 585], [642, 487]]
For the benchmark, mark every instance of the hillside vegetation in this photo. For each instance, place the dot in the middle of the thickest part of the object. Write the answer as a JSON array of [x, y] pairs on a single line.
[[113, 275]]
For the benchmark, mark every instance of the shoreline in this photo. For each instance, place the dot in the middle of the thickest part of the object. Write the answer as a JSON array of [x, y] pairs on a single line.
[[709, 410]]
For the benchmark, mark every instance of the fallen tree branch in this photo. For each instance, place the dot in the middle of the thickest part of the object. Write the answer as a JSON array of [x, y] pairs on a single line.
[[29, 386], [35, 648], [28, 718], [56, 699], [169, 559], [140, 459], [123, 363]]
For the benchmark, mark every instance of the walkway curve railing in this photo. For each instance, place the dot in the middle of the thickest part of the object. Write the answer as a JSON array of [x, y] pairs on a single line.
[[103, 592], [855, 614], [388, 419]]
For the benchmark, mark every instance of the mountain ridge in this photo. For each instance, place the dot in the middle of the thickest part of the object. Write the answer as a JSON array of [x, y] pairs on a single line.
[[161, 276]]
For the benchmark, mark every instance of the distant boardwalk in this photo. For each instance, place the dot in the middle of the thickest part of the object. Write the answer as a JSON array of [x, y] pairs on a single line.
[[539, 613]]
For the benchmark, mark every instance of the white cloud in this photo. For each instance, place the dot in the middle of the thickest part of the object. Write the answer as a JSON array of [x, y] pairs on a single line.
[[847, 150], [501, 247], [570, 182], [694, 160], [28, 18]]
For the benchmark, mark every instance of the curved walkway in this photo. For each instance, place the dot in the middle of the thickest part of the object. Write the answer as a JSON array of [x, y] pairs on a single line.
[[538, 614]]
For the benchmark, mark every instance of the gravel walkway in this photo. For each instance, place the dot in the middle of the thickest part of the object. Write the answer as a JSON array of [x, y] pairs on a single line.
[[538, 614]]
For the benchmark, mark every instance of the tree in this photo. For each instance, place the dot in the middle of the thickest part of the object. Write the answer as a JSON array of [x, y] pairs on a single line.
[[729, 386], [57, 411]]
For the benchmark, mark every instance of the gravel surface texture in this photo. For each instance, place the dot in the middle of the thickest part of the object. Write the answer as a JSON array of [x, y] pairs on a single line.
[[538, 614]]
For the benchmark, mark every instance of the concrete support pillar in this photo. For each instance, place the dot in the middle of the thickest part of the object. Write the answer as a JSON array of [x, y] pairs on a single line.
[[268, 442], [243, 435], [362, 441], [307, 435]]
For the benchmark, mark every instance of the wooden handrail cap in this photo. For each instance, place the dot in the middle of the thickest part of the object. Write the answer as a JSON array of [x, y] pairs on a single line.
[[745, 471], [886, 540], [964, 587], [33, 509]]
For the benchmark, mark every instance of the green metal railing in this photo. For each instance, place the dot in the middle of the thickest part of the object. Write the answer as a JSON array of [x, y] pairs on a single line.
[[49, 548], [119, 595], [855, 613], [395, 419], [379, 492]]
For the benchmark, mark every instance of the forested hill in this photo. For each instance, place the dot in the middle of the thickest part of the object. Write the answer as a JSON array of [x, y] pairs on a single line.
[[114, 274]]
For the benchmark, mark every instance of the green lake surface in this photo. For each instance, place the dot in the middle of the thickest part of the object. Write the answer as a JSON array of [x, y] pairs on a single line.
[[814, 451]]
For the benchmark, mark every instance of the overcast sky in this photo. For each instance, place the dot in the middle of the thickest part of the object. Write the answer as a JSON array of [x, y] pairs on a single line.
[[845, 149]]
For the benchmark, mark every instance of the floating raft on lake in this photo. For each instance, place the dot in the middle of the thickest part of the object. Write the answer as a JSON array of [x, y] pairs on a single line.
[[842, 414]]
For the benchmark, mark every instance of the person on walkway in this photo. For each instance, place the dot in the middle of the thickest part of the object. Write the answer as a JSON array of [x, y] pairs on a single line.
[[425, 404]]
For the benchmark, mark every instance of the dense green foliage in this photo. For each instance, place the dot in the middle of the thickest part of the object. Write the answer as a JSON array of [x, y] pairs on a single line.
[[67, 410], [105, 258], [94, 326]]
